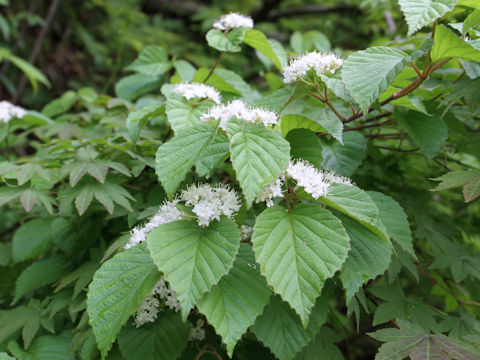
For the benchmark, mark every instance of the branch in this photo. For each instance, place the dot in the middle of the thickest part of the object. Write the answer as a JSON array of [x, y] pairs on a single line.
[[397, 150]]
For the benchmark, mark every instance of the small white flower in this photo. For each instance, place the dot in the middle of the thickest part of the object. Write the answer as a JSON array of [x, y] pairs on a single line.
[[320, 62], [269, 191], [246, 231], [209, 203], [233, 20], [240, 110], [9, 111], [310, 178], [195, 90], [147, 311], [167, 213], [197, 332]]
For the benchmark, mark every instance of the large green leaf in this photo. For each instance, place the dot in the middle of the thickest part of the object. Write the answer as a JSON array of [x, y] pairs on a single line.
[[446, 44], [214, 154], [280, 329], [369, 256], [32, 239], [331, 123], [163, 340], [395, 220], [298, 250], [47, 347], [226, 42], [276, 100], [367, 73], [234, 303], [344, 159], [117, 290], [322, 347], [258, 156], [175, 158], [419, 13], [259, 41], [152, 61], [428, 132], [182, 115], [40, 273], [292, 121], [193, 258], [304, 144]]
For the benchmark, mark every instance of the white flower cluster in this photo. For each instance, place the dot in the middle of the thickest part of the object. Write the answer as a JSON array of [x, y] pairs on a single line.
[[315, 182], [320, 62], [8, 111], [148, 310], [269, 191], [240, 110], [211, 202], [196, 90], [197, 332], [167, 213], [246, 231], [233, 20]]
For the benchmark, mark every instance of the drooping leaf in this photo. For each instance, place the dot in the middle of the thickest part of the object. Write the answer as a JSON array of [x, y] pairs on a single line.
[[258, 156], [419, 13], [344, 159], [259, 41], [308, 243], [447, 44], [193, 258], [280, 329], [164, 340], [175, 158], [234, 303], [367, 73], [152, 61], [369, 256], [117, 290]]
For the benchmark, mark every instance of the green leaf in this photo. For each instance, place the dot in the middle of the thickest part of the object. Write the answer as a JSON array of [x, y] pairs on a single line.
[[34, 75], [308, 243], [138, 118], [355, 203], [5, 356], [132, 86], [234, 303], [257, 40], [47, 347], [344, 159], [184, 69], [447, 44], [367, 73], [193, 258], [322, 347], [395, 220], [175, 158], [14, 319], [152, 61], [60, 105], [117, 290], [419, 13], [226, 81], [280, 329], [472, 20], [258, 156], [470, 3], [309, 41], [414, 342], [428, 132], [40, 273], [331, 123], [369, 256], [470, 180], [226, 42], [32, 239], [182, 115], [304, 144], [213, 156], [164, 340], [293, 121], [276, 100]]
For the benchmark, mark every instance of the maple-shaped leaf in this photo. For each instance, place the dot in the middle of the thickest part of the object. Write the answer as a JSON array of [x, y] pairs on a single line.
[[470, 180], [413, 342]]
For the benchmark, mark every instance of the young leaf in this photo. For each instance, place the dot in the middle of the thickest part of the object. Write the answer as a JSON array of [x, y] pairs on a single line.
[[419, 13], [226, 42], [182, 115], [175, 158], [258, 156], [446, 44], [280, 329], [233, 304], [193, 258], [367, 73], [164, 340], [369, 256], [152, 61], [308, 243], [117, 290]]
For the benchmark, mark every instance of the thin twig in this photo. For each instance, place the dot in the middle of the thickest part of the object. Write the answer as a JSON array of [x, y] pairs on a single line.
[[219, 57], [397, 150], [442, 165]]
